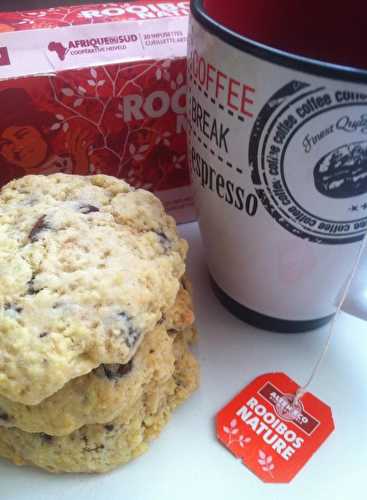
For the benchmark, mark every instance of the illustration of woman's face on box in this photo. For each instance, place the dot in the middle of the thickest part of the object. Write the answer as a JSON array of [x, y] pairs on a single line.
[[23, 146]]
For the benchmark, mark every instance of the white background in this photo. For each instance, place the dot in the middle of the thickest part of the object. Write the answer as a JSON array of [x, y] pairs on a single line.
[[187, 462]]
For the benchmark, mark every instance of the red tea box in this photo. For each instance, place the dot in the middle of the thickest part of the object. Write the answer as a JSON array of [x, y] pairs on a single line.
[[98, 89]]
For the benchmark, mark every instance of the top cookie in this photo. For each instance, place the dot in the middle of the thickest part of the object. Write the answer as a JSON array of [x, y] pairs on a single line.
[[88, 265]]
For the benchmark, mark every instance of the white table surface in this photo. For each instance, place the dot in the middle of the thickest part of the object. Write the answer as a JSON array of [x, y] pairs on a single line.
[[187, 462]]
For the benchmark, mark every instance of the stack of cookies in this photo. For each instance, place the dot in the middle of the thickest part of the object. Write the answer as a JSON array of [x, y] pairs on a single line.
[[96, 322]]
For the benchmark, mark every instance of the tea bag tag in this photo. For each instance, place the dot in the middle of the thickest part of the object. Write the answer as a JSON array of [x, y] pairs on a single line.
[[271, 431]]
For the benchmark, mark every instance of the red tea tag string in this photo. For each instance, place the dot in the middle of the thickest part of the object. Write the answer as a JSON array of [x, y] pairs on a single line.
[[301, 390]]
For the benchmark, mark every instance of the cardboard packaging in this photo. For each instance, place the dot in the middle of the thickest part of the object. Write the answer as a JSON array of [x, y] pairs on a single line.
[[98, 89]]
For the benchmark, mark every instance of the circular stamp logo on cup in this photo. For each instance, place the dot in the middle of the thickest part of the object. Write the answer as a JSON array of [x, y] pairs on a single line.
[[308, 159]]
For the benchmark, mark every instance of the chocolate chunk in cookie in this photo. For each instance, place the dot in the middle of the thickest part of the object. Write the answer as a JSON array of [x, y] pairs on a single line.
[[46, 438], [13, 308], [88, 209], [4, 417], [164, 241], [40, 226], [129, 332], [114, 372]]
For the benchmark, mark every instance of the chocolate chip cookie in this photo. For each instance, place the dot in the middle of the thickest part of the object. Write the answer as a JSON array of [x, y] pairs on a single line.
[[99, 448], [109, 390], [88, 267]]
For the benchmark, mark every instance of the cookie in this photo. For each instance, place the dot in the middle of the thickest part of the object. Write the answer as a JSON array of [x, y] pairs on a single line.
[[100, 448], [108, 390], [88, 266], [181, 315]]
